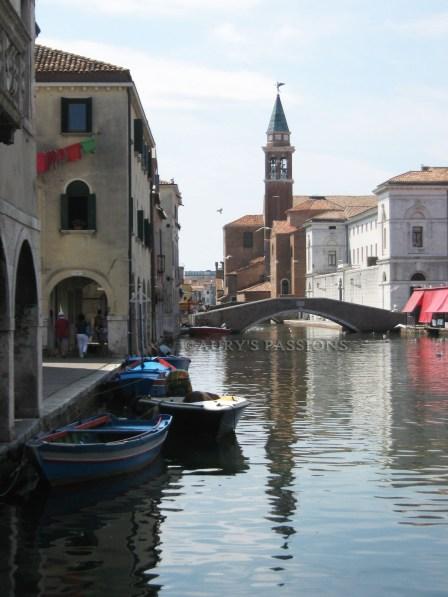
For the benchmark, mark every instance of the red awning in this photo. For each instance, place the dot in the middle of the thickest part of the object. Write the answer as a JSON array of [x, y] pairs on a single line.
[[433, 301], [414, 301], [438, 301], [443, 308]]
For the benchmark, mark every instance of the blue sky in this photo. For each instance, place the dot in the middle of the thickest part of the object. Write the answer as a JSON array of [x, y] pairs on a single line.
[[366, 92]]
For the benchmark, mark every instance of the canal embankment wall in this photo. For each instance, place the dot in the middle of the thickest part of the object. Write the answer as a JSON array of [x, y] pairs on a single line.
[[70, 389]]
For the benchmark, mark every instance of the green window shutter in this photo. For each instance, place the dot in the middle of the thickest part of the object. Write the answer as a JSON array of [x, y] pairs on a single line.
[[131, 215], [64, 212], [140, 224], [147, 230], [64, 114], [91, 212], [89, 114], [138, 135]]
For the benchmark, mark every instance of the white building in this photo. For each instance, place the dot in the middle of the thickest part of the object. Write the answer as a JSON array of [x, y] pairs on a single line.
[[376, 256]]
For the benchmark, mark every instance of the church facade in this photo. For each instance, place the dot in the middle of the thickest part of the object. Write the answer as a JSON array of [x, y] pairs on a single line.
[[369, 249]]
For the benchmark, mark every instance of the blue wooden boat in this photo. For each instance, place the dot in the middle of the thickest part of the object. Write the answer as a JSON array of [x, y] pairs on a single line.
[[98, 447], [142, 377], [177, 361]]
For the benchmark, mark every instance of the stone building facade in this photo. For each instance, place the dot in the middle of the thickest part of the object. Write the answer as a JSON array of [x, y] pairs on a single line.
[[384, 252], [98, 190], [166, 248], [20, 332], [370, 249]]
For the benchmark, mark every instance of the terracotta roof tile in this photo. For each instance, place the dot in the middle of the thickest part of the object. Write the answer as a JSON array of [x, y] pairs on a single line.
[[262, 286], [282, 227], [330, 215], [313, 203], [250, 265], [57, 65], [427, 175], [250, 220], [333, 202]]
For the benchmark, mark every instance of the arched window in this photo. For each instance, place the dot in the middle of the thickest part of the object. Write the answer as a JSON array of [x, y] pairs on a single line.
[[283, 168], [284, 286], [78, 207], [272, 168], [418, 277]]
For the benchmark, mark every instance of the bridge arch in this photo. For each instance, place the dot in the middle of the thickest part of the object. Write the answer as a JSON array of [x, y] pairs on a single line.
[[293, 312], [352, 317]]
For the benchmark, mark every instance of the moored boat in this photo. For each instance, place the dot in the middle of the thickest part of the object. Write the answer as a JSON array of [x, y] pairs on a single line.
[[207, 416], [171, 360], [140, 377], [98, 447]]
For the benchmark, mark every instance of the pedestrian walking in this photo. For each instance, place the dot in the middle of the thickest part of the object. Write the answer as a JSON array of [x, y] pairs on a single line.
[[62, 332], [82, 335]]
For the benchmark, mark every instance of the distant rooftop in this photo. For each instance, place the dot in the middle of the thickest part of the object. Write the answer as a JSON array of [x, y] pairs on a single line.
[[249, 220], [59, 66], [429, 175]]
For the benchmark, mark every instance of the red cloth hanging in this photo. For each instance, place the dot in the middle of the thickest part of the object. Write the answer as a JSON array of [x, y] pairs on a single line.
[[42, 162], [73, 152]]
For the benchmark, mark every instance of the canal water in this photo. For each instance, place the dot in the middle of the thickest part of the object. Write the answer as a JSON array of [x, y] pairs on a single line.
[[335, 484]]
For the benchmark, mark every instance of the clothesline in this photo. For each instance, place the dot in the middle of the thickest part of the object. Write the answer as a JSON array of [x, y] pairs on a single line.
[[47, 160]]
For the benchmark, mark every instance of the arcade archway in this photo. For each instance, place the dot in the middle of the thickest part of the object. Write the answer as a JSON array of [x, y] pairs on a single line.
[[26, 338], [75, 295]]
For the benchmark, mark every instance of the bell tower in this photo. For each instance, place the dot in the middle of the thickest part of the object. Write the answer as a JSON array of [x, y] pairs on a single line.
[[278, 166], [278, 175]]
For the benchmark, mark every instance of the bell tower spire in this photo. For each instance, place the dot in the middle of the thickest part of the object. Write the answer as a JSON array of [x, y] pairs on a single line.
[[278, 165], [278, 174]]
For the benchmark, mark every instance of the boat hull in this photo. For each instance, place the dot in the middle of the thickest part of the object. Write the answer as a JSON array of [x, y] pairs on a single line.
[[80, 452], [214, 418]]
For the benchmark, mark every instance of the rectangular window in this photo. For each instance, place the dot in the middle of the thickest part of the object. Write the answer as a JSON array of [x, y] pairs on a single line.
[[160, 264], [331, 227], [138, 135], [140, 220], [331, 257], [76, 115], [417, 236], [248, 240], [147, 229]]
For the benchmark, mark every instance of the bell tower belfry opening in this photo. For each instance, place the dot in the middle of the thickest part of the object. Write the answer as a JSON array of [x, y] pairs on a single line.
[[278, 171]]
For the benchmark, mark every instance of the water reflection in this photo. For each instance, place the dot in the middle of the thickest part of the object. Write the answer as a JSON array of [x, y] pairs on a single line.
[[206, 456], [336, 483], [82, 540]]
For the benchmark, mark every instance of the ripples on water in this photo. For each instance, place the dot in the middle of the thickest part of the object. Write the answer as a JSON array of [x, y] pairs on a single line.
[[336, 484]]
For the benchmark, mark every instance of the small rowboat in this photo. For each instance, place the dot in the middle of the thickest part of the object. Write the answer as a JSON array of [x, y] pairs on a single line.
[[100, 446], [211, 417]]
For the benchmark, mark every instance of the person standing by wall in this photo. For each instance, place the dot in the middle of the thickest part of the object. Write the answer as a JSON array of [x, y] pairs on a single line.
[[82, 335], [62, 332]]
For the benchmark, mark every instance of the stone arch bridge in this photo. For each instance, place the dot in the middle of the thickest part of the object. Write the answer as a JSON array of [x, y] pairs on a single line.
[[353, 317]]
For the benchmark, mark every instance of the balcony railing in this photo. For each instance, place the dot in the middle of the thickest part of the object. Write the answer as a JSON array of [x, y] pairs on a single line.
[[15, 75]]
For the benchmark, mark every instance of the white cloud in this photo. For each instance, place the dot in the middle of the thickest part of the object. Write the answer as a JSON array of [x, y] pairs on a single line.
[[292, 37], [435, 25], [149, 8], [173, 84]]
